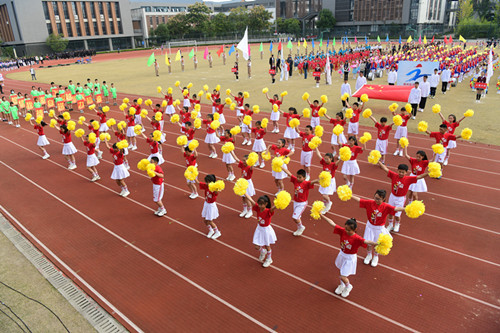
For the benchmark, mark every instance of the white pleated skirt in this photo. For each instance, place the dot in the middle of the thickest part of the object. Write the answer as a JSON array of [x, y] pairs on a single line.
[[211, 138], [346, 263], [42, 141], [69, 149], [401, 132], [250, 189], [120, 172], [420, 186], [338, 140], [92, 160], [280, 175], [170, 109], [259, 146], [210, 211], [130, 132], [373, 231], [350, 167], [291, 133], [330, 189], [228, 158], [104, 127], [275, 116], [264, 236]]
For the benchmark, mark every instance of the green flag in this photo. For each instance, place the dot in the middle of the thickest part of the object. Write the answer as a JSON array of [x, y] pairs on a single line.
[[151, 59], [321, 42], [261, 48], [334, 41], [191, 54], [289, 45], [378, 39]]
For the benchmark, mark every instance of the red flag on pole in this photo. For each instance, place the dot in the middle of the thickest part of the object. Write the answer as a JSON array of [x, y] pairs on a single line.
[[279, 46], [432, 39], [445, 40], [219, 51], [450, 40], [385, 92]]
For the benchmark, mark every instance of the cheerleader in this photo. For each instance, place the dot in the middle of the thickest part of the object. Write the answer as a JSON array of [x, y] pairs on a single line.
[[69, 149], [190, 156], [120, 172], [210, 211], [353, 127], [451, 125], [211, 138], [275, 115], [95, 130], [120, 136], [228, 158], [137, 116], [315, 106], [92, 160], [42, 139], [246, 173], [156, 125], [418, 166], [259, 145], [215, 96], [329, 164], [239, 105], [401, 131], [306, 153], [246, 129], [154, 147], [132, 141], [340, 139], [350, 168], [155, 110], [290, 133], [219, 108], [264, 235], [280, 150], [188, 130], [346, 260], [195, 101], [186, 102], [158, 187], [169, 111], [103, 128]]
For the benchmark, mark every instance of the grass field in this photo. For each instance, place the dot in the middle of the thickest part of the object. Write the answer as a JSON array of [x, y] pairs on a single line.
[[133, 76]]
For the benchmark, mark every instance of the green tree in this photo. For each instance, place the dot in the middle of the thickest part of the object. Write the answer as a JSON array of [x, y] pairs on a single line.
[[161, 31], [258, 18], [178, 26], [325, 20], [221, 24], [57, 42], [197, 15], [288, 26], [238, 18], [497, 13], [465, 10], [484, 8]]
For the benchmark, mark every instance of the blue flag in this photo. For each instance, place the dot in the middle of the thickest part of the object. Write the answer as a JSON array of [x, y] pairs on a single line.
[[231, 50], [271, 47], [343, 40], [387, 38], [399, 39], [328, 42], [366, 40], [312, 40]]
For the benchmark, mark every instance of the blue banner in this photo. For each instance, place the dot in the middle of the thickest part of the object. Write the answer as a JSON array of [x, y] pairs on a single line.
[[411, 71]]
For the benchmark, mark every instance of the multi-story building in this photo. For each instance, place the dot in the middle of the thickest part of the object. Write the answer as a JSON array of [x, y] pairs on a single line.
[[87, 24]]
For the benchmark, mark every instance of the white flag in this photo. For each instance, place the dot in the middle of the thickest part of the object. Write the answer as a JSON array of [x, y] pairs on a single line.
[[489, 72], [328, 70], [243, 45], [283, 68]]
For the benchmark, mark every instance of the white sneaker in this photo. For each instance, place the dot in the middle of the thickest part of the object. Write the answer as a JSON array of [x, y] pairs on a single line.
[[390, 226], [93, 179], [249, 214], [214, 156], [243, 213], [211, 154], [162, 212], [121, 193], [445, 162], [210, 233], [126, 193], [263, 255], [328, 206], [99, 154], [128, 167], [374, 261], [72, 167], [262, 165], [346, 290], [267, 263], [308, 177], [157, 211], [216, 235], [10, 122], [413, 118], [420, 110], [46, 156], [396, 153], [97, 177], [368, 258], [339, 289], [256, 164], [400, 153], [299, 231], [193, 196], [18, 125], [249, 143], [277, 130], [231, 177], [396, 227], [244, 142]]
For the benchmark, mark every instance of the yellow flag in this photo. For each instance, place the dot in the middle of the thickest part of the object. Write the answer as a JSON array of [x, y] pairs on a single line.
[[409, 40], [305, 43], [178, 55], [166, 60], [425, 40], [462, 39]]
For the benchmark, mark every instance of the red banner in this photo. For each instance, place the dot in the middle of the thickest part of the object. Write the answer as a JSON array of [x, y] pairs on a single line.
[[88, 100], [29, 105], [50, 102], [20, 102], [60, 106], [68, 96], [98, 98], [272, 71], [385, 92], [481, 85], [80, 104], [13, 99], [41, 99], [73, 99], [39, 113], [316, 74], [234, 70]]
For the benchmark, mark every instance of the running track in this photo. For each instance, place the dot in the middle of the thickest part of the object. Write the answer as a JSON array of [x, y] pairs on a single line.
[[162, 274]]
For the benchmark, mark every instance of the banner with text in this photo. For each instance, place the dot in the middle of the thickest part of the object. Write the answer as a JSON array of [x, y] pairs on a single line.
[[411, 71]]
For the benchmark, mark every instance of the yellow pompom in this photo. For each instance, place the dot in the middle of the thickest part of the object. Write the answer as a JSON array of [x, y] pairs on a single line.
[[286, 160], [436, 108], [217, 186], [197, 123], [384, 244], [393, 107], [121, 144], [316, 209], [252, 159], [403, 142], [415, 209], [344, 192], [422, 126], [194, 114], [177, 83], [66, 115], [235, 130], [158, 89], [148, 102], [53, 123], [157, 135], [193, 145], [217, 87], [305, 96], [200, 94], [318, 130], [71, 125], [123, 106], [284, 93], [265, 90], [322, 111], [228, 92], [247, 120], [28, 117], [345, 153], [364, 98], [177, 102], [216, 116], [264, 122], [215, 124], [92, 137], [102, 136], [151, 171], [256, 109], [246, 94], [324, 98], [325, 178], [438, 148], [434, 169], [91, 107], [365, 138], [139, 101], [275, 107], [306, 113], [142, 165], [121, 125], [52, 113], [374, 157], [266, 155], [164, 103], [469, 113], [170, 90], [315, 142], [158, 116], [232, 107], [227, 147], [185, 92], [228, 100], [282, 200], [408, 107], [174, 119], [338, 129], [349, 113], [367, 113], [110, 122], [240, 187], [466, 133], [138, 129], [182, 140], [344, 97], [197, 107], [105, 109], [131, 111], [397, 120], [126, 100], [79, 133], [294, 123], [208, 96], [277, 164], [190, 85], [205, 87]]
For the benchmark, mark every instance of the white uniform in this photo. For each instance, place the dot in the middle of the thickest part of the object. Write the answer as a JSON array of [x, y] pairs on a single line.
[[425, 88], [415, 95], [345, 88], [434, 80], [392, 77], [360, 81]]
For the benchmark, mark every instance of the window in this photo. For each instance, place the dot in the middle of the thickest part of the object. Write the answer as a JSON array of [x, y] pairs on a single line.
[[68, 29], [59, 29], [120, 28], [46, 11], [117, 10], [84, 10], [96, 31], [101, 11], [92, 10], [110, 12], [87, 28], [78, 30], [49, 28], [56, 10], [75, 12], [65, 9]]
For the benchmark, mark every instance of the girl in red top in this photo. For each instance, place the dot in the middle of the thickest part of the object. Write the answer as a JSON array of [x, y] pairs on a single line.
[[188, 130], [215, 96], [246, 173], [90, 125], [156, 109], [92, 159], [401, 131], [190, 157], [264, 234], [154, 146], [451, 124], [346, 260], [383, 131], [290, 133], [169, 111], [102, 121], [259, 145], [211, 138], [350, 168], [132, 141], [279, 150], [42, 139], [219, 108], [245, 129], [120, 136], [69, 149], [418, 166], [329, 164], [353, 127], [210, 211], [158, 187], [340, 139], [120, 172], [195, 101], [239, 105], [275, 115], [315, 106], [186, 102], [228, 158]]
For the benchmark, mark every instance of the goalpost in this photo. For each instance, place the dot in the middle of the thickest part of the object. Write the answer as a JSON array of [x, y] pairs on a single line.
[[184, 43]]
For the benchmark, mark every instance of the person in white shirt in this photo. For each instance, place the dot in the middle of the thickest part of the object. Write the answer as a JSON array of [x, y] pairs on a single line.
[[345, 88], [425, 88], [392, 77], [414, 99], [360, 82], [445, 78], [434, 81]]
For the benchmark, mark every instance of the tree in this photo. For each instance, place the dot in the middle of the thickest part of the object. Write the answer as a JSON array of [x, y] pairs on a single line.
[[497, 13], [57, 42], [325, 20], [288, 26], [239, 18], [465, 10], [197, 15], [258, 18], [178, 26], [221, 24], [161, 31], [484, 8]]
